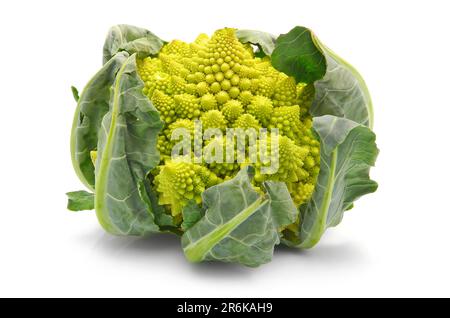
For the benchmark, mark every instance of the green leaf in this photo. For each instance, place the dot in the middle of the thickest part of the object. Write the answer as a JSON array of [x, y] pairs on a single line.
[[80, 200], [240, 224], [342, 92], [348, 150], [131, 39], [264, 41], [192, 213], [297, 54], [75, 94], [126, 153], [340, 89], [93, 104], [149, 197], [283, 209]]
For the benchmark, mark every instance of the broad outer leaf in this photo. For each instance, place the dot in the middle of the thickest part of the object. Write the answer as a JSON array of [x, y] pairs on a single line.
[[126, 152], [92, 105], [265, 41], [342, 92], [297, 54], [348, 150], [131, 39], [80, 200], [240, 224]]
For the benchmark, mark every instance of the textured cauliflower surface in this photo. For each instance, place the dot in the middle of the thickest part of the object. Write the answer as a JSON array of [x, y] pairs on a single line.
[[219, 81]]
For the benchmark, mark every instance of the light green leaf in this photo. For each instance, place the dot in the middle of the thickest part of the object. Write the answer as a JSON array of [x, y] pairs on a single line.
[[264, 41], [149, 197], [131, 39], [297, 54], [348, 150], [240, 224], [192, 213], [342, 92], [93, 104], [283, 209], [126, 153], [80, 201]]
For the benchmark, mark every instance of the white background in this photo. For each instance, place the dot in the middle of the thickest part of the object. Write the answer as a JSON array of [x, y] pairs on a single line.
[[393, 243]]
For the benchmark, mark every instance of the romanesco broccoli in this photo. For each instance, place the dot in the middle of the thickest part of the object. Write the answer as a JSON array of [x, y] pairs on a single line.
[[220, 82]]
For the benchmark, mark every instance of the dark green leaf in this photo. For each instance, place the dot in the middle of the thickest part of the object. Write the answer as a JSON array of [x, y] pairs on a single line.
[[75, 93], [80, 200], [297, 54]]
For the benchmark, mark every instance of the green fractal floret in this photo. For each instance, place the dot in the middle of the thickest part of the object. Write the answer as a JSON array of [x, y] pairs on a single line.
[[179, 85], [208, 102], [285, 91], [213, 119], [232, 110], [165, 142], [222, 168], [261, 107], [178, 48], [247, 121], [187, 106], [287, 120], [158, 81], [165, 104], [305, 95], [219, 81], [180, 182], [291, 161]]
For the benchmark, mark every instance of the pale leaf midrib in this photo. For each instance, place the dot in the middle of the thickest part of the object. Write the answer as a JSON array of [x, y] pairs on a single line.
[[196, 251], [101, 180], [320, 224]]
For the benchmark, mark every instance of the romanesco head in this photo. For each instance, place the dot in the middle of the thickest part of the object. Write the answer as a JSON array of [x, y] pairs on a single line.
[[219, 81]]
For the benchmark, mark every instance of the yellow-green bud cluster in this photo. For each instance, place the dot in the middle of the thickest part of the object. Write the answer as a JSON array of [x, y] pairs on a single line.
[[165, 142], [165, 104], [187, 106], [287, 120], [213, 119], [221, 167], [285, 91], [232, 110], [180, 182], [261, 107], [305, 94], [247, 121], [208, 102]]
